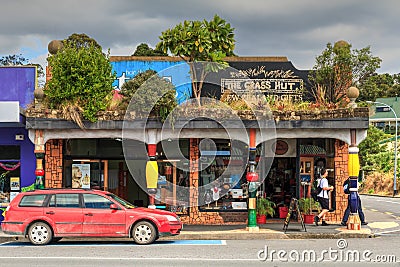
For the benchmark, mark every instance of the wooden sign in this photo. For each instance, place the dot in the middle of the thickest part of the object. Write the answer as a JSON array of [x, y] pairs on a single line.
[[293, 208]]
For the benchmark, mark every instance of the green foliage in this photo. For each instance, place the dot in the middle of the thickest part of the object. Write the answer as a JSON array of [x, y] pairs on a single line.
[[81, 77], [307, 205], [13, 60], [144, 50], [373, 155], [196, 41], [378, 86], [265, 206], [338, 68], [81, 40], [371, 191], [149, 93]]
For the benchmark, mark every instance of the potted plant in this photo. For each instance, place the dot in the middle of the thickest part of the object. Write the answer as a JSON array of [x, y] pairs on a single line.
[[307, 206], [264, 207]]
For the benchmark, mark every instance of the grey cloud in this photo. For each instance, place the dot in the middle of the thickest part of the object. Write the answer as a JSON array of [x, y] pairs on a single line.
[[296, 29]]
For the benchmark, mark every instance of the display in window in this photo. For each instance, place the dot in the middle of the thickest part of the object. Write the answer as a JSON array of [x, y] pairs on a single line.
[[80, 175], [9, 175], [15, 184]]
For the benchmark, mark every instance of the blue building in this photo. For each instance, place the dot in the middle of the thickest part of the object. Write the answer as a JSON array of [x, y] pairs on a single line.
[[17, 158], [173, 69]]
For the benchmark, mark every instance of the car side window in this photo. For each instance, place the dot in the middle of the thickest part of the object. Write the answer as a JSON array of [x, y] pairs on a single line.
[[32, 201], [93, 201], [64, 201]]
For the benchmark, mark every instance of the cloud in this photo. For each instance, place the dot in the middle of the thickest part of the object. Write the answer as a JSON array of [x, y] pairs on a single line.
[[299, 30]]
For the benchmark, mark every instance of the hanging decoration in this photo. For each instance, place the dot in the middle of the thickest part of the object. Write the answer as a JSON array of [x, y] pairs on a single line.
[[9, 167]]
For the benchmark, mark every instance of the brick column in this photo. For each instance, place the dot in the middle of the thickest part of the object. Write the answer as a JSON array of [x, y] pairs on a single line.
[[341, 174], [54, 164]]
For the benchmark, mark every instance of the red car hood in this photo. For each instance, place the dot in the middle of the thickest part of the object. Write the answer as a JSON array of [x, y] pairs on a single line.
[[154, 211]]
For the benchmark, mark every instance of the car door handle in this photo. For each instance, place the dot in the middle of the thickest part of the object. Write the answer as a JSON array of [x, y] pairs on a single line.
[[88, 214], [50, 212]]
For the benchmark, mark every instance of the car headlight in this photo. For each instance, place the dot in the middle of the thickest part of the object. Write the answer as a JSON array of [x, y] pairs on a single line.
[[172, 218]]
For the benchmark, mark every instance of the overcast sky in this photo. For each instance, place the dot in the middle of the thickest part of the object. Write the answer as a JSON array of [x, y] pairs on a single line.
[[297, 29]]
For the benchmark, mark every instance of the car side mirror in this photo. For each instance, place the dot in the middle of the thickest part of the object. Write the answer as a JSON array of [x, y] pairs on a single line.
[[113, 206]]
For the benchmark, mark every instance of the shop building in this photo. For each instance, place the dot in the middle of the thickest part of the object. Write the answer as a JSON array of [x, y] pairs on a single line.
[[17, 159], [204, 180]]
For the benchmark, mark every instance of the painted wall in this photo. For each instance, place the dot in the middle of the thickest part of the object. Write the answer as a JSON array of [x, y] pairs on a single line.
[[28, 160], [177, 72], [18, 84]]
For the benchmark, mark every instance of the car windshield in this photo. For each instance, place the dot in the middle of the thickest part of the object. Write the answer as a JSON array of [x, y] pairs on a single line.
[[121, 201]]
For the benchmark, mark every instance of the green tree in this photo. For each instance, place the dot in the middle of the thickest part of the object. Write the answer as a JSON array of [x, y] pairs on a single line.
[[149, 93], [13, 60], [378, 85], [81, 81], [338, 68], [373, 155], [81, 40], [143, 50], [200, 41]]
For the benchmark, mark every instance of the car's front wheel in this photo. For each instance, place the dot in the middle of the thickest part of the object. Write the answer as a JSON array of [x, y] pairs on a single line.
[[144, 233], [40, 233]]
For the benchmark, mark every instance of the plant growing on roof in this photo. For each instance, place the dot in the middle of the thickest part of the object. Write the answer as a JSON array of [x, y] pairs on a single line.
[[338, 68], [200, 41], [149, 93], [81, 82]]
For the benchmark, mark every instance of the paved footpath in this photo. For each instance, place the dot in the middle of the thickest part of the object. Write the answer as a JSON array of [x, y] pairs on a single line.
[[271, 230]]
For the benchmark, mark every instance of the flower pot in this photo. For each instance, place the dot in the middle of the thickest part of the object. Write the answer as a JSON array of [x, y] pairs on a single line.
[[261, 219], [308, 218], [283, 211]]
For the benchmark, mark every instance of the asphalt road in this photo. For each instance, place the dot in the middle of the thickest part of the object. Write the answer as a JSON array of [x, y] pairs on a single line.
[[383, 214], [384, 250], [387, 205], [351, 252]]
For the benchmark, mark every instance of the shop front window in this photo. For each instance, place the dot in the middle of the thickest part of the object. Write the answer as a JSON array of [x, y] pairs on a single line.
[[172, 187], [222, 182], [9, 171]]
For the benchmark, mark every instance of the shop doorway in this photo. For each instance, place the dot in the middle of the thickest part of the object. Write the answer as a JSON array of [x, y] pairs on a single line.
[[280, 182]]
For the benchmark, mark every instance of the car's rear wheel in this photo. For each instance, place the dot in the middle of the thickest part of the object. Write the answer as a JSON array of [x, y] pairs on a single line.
[[144, 233], [40, 233]]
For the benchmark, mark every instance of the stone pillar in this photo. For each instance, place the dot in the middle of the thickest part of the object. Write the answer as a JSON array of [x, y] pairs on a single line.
[[354, 222], [39, 154]]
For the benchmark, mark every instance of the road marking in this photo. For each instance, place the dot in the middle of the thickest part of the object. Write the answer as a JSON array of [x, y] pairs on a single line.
[[132, 259], [383, 225], [125, 244], [388, 201], [388, 212], [387, 232], [373, 210]]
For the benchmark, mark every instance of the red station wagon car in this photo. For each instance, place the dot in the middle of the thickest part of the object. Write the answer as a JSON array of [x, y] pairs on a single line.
[[48, 215]]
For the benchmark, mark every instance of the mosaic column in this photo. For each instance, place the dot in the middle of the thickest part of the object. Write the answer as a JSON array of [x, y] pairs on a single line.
[[39, 154], [354, 222], [151, 173], [252, 179]]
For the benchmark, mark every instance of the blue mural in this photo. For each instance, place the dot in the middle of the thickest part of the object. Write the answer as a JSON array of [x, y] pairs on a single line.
[[177, 72]]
